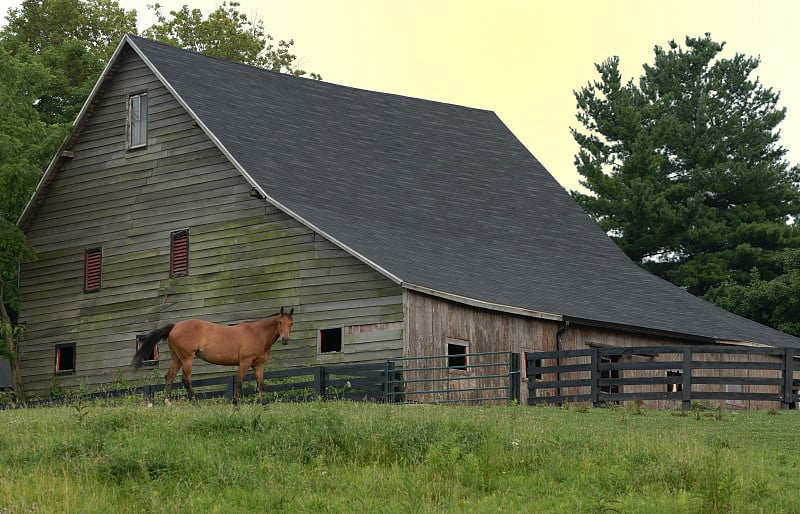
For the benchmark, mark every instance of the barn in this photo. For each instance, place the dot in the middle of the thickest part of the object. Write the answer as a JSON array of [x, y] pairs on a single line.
[[397, 227]]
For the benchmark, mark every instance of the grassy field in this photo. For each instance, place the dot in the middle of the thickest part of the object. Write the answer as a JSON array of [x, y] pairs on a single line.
[[352, 457]]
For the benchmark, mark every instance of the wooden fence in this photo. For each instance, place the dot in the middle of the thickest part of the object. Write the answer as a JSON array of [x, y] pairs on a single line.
[[353, 382], [464, 378], [733, 374]]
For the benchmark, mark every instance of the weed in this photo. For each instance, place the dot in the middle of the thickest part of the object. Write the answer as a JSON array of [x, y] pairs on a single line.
[[56, 392], [636, 407], [81, 410]]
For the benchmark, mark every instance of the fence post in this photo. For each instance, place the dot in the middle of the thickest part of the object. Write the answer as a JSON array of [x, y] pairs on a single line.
[[388, 382], [532, 393], [514, 377], [594, 376], [788, 379], [319, 382], [230, 384], [686, 387]]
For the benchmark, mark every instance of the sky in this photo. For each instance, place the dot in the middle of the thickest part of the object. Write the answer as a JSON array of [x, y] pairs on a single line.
[[522, 59]]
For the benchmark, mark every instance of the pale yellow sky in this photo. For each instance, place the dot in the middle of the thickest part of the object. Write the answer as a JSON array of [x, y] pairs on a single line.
[[521, 59]]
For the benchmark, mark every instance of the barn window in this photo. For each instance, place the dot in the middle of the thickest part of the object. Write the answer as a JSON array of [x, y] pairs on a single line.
[[65, 359], [674, 388], [536, 363], [609, 374], [93, 270], [137, 121], [457, 353], [150, 360], [330, 340], [179, 254]]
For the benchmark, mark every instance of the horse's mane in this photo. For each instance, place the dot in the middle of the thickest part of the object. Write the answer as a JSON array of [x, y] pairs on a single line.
[[252, 320]]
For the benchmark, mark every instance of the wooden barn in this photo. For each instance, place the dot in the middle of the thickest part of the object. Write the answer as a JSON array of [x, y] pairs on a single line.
[[197, 187]]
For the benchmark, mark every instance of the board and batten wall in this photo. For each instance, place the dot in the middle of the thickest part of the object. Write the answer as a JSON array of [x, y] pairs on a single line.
[[246, 258], [433, 322]]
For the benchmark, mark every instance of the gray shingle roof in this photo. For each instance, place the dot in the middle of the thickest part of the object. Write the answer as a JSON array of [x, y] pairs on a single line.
[[436, 196]]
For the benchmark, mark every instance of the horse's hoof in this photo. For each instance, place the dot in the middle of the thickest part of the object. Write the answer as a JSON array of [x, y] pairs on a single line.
[[168, 402]]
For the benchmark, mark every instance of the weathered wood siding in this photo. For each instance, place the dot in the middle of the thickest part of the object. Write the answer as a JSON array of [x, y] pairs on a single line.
[[432, 321], [580, 337], [246, 258]]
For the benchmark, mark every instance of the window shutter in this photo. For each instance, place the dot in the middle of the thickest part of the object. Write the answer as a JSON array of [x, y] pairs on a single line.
[[179, 254], [94, 262]]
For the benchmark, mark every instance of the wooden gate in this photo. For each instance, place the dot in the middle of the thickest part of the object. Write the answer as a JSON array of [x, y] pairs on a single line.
[[466, 378]]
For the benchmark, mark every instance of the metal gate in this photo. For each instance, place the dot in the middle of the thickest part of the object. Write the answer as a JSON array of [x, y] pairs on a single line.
[[467, 378]]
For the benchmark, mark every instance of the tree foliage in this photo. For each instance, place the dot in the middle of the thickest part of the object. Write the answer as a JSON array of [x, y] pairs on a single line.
[[684, 169], [774, 302], [225, 33]]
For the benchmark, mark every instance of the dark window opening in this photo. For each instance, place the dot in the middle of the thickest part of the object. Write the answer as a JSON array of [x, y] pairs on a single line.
[[93, 270], [675, 388], [609, 374], [150, 360], [537, 363], [179, 254], [456, 356], [137, 121], [330, 340], [65, 358]]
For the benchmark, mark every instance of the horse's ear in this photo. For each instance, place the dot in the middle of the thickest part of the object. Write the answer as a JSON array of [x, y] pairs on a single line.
[[281, 311], [291, 311]]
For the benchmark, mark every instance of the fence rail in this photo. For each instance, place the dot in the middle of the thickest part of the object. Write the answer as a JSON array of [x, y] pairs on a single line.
[[684, 374], [461, 378], [352, 382]]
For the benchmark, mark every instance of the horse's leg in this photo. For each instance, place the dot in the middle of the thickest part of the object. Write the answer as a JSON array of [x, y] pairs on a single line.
[[240, 374], [169, 377], [258, 369], [187, 376]]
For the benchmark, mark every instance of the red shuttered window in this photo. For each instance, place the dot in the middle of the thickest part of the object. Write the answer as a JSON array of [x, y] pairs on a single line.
[[93, 270], [179, 254]]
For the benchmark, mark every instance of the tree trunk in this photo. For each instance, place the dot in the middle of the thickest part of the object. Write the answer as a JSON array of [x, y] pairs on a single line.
[[8, 332]]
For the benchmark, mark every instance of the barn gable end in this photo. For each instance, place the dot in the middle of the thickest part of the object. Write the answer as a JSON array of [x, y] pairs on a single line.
[[246, 258]]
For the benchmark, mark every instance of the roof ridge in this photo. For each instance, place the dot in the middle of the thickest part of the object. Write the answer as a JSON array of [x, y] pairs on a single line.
[[308, 80]]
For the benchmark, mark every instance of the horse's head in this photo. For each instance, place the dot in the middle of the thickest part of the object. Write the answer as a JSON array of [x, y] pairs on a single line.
[[285, 325]]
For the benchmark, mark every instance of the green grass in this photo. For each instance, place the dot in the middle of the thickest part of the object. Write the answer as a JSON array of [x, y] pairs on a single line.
[[352, 457]]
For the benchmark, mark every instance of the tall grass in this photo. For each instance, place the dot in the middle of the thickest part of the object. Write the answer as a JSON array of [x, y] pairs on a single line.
[[348, 457]]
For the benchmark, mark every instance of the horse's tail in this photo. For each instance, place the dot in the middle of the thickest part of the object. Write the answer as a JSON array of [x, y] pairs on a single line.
[[149, 342]]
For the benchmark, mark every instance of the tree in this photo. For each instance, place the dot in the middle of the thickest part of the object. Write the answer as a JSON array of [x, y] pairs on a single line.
[[684, 169], [226, 33], [25, 143], [773, 302], [73, 39]]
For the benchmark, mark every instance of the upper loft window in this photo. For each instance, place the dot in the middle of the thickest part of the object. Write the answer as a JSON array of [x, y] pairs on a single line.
[[137, 121]]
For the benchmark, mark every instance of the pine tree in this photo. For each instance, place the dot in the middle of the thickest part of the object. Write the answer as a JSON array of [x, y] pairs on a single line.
[[684, 170]]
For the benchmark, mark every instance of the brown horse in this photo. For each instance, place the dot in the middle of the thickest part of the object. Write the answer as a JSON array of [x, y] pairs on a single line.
[[246, 345]]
